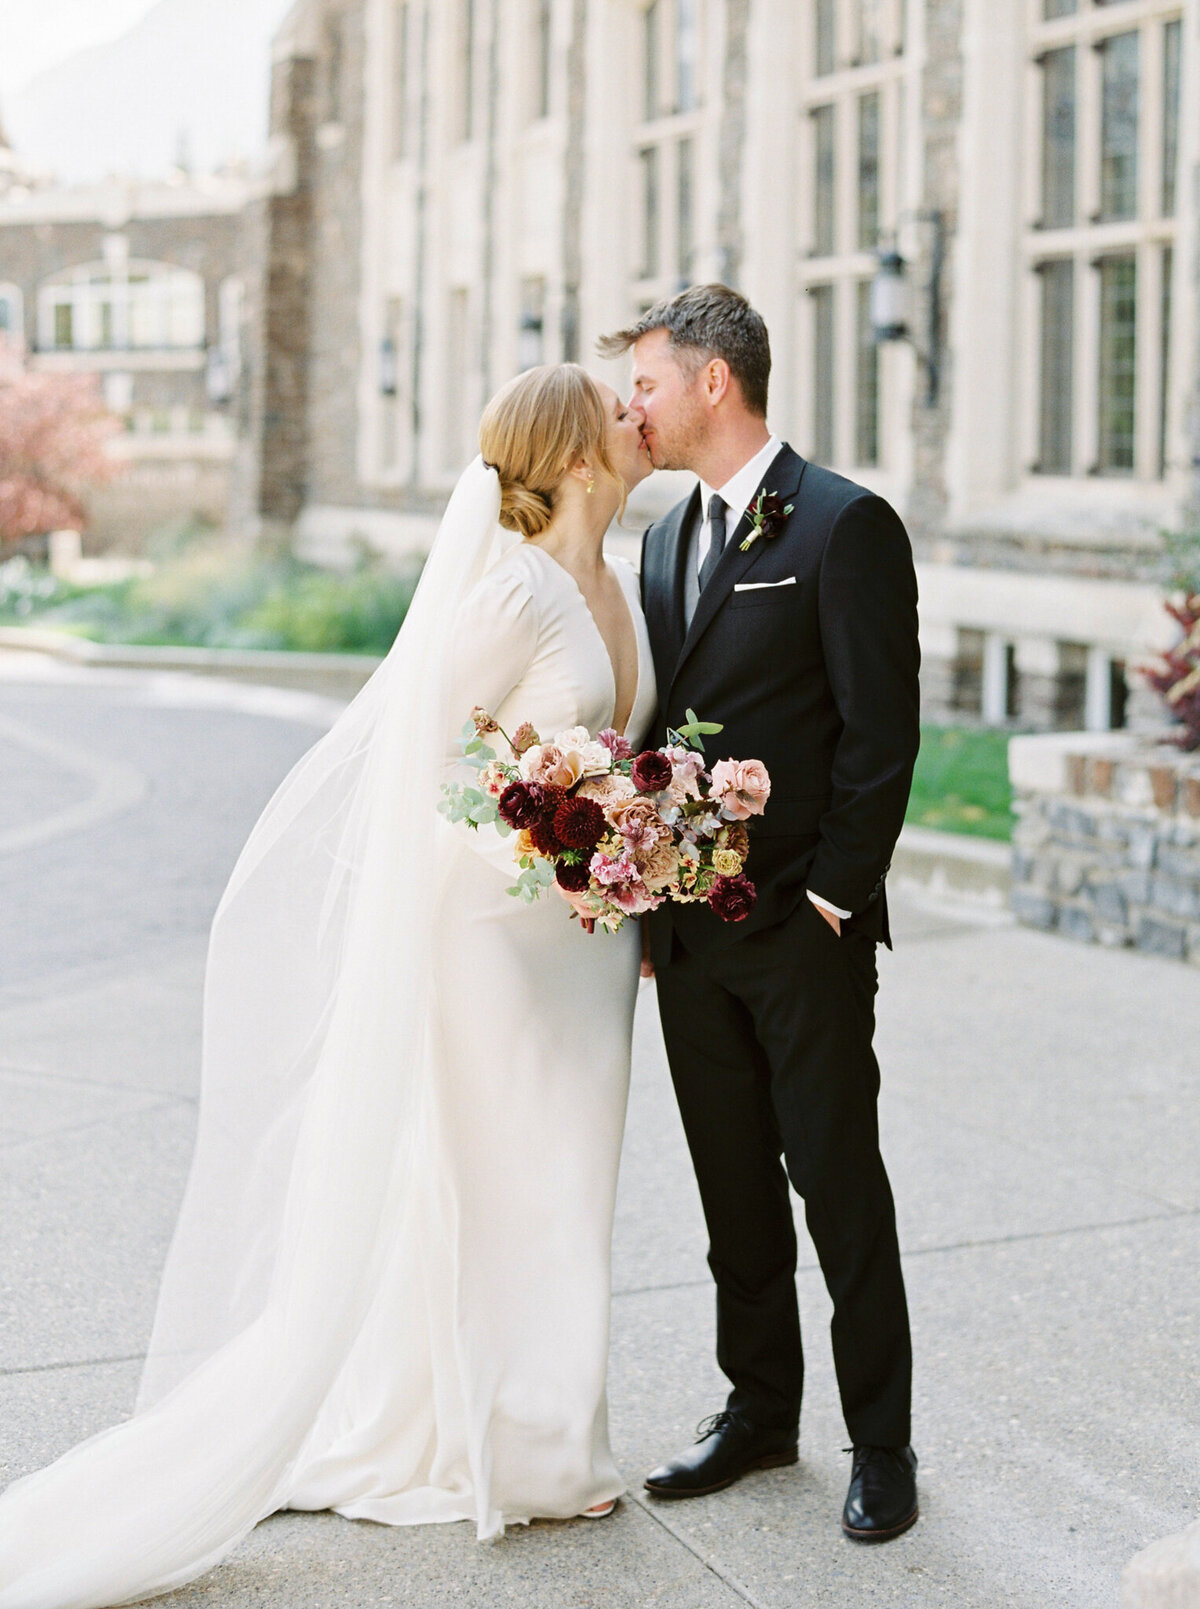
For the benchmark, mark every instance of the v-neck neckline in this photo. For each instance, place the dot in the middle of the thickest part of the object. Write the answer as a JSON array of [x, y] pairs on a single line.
[[587, 609]]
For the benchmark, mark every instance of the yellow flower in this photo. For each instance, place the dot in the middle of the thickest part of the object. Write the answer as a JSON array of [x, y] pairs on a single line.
[[727, 863]]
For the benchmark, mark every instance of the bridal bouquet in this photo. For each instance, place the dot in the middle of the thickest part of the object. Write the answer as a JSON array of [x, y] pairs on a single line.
[[620, 832]]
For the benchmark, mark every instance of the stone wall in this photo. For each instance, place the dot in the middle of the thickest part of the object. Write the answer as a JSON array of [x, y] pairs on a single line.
[[1107, 843]]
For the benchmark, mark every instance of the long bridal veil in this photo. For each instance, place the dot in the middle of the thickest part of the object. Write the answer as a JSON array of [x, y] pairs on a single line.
[[316, 1012]]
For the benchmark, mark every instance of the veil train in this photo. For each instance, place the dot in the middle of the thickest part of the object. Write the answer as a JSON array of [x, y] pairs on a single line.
[[315, 1019]]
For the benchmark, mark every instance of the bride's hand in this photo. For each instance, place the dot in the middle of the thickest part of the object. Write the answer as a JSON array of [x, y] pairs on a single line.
[[576, 901]]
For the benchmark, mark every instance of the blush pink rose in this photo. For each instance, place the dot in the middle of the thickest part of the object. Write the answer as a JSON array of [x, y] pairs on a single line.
[[546, 763], [741, 787]]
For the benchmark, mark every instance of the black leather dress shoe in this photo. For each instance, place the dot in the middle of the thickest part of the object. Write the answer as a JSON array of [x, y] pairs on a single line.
[[728, 1446], [882, 1500]]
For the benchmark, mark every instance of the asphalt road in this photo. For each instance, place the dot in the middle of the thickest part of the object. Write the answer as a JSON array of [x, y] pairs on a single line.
[[1040, 1120]]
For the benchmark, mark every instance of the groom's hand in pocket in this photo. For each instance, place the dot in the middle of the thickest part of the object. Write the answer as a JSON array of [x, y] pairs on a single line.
[[831, 917], [647, 963]]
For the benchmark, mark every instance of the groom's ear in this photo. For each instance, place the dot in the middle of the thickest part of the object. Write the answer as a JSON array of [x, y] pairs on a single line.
[[716, 377]]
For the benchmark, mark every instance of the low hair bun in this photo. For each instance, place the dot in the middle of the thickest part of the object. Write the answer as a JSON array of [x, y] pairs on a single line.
[[533, 430], [523, 510]]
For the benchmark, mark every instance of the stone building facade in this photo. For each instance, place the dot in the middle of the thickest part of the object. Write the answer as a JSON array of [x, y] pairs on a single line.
[[142, 285], [477, 185]]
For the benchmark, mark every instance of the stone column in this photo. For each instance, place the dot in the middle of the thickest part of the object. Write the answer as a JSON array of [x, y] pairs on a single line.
[[279, 422], [732, 140], [420, 227], [491, 173], [573, 180], [941, 121]]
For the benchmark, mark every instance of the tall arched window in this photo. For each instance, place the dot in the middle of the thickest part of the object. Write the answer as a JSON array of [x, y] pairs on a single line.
[[122, 306]]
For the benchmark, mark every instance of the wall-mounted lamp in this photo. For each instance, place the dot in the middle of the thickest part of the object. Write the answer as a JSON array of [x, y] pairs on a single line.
[[218, 377], [889, 304], [387, 367], [529, 341]]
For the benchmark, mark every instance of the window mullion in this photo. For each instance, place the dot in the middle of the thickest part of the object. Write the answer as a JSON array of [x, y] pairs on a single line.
[[1035, 134], [1028, 389], [845, 34], [894, 23], [668, 168], [845, 175], [890, 149], [1150, 122], [1087, 365], [845, 350], [1148, 384], [1087, 133]]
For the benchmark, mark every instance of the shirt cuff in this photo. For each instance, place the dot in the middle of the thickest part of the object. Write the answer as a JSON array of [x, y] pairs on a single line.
[[826, 906]]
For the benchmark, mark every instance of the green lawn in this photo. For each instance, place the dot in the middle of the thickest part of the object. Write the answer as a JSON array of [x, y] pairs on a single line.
[[961, 782]]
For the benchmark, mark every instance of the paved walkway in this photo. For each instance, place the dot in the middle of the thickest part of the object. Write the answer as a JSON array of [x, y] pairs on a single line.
[[1041, 1119]]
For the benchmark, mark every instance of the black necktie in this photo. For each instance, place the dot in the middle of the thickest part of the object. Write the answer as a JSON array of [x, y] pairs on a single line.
[[716, 524]]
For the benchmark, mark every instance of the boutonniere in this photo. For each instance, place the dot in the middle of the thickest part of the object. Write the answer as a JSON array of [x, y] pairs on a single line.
[[767, 514]]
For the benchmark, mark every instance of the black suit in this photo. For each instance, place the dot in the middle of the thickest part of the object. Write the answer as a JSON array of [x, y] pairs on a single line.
[[769, 1022]]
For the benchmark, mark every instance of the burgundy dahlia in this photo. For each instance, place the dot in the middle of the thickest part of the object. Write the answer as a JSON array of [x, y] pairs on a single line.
[[574, 876], [652, 771], [520, 804], [579, 823], [544, 838], [732, 898], [550, 796]]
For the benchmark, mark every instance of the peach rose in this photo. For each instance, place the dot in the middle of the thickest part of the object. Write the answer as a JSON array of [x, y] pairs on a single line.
[[639, 823], [659, 866], [741, 787], [607, 791]]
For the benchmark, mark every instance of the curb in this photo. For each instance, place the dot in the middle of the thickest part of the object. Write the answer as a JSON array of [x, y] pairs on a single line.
[[334, 675], [953, 863], [935, 862]]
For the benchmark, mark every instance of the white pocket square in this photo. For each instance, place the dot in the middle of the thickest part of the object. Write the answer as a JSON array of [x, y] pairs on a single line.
[[757, 586]]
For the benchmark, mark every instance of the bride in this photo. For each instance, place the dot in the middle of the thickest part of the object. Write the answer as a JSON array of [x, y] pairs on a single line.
[[388, 1291]]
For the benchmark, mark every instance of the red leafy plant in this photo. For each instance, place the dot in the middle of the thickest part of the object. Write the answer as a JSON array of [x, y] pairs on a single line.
[[1176, 675]]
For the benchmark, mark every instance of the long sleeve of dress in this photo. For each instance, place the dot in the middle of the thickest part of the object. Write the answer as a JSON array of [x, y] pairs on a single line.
[[495, 642]]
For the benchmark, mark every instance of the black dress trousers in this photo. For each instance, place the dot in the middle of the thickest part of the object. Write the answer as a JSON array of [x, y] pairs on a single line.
[[770, 1047]]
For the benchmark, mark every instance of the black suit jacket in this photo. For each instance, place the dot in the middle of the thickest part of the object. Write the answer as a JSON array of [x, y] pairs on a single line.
[[818, 679]]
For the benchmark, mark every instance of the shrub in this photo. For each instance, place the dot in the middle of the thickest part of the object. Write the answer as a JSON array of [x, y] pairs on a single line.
[[213, 596]]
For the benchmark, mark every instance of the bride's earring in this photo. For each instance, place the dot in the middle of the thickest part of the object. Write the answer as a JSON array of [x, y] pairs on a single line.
[[591, 485]]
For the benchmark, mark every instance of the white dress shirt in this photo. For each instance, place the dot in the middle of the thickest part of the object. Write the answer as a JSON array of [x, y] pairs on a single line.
[[738, 492]]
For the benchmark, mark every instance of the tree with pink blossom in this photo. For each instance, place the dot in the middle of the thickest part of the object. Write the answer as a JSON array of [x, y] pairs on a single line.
[[54, 436]]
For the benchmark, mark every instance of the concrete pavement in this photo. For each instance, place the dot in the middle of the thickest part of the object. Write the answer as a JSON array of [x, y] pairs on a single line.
[[1040, 1119]]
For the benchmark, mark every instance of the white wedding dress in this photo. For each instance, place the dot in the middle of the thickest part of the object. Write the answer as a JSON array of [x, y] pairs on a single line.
[[389, 1289]]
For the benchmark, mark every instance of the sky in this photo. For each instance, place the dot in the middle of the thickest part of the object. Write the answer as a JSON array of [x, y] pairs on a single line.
[[35, 36]]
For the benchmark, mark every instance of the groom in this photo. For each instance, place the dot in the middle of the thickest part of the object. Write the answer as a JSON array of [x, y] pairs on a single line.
[[796, 627]]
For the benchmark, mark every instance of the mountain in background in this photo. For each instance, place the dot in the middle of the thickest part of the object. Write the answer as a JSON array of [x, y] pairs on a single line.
[[190, 79]]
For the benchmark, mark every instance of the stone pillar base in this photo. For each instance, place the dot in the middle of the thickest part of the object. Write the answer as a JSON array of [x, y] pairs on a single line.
[[1166, 1575]]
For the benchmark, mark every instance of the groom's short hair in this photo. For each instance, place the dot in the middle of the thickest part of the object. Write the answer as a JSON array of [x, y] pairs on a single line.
[[705, 322]]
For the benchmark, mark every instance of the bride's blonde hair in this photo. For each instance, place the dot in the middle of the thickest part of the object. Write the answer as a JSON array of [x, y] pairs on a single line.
[[532, 432]]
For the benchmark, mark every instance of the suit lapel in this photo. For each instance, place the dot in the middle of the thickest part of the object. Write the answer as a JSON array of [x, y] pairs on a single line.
[[669, 557], [783, 476]]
